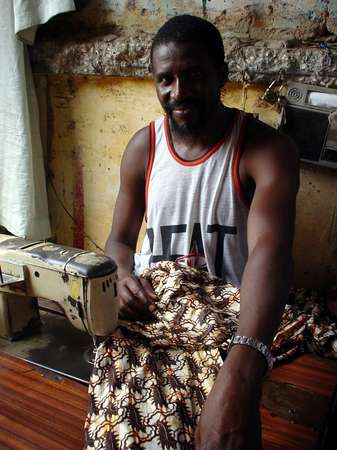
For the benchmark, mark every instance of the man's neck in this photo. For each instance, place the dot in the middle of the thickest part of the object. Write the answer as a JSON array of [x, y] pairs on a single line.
[[193, 145]]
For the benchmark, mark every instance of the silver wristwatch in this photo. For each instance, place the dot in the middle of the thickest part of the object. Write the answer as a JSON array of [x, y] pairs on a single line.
[[257, 345]]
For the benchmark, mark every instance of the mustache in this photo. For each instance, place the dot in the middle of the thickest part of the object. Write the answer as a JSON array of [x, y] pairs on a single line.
[[186, 104]]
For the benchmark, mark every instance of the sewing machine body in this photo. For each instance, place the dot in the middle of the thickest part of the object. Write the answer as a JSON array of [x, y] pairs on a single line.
[[83, 283]]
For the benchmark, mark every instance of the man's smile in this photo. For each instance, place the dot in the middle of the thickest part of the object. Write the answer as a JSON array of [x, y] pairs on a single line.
[[181, 112]]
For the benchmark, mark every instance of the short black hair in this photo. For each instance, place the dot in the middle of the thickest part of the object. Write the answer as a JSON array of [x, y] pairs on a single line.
[[191, 29]]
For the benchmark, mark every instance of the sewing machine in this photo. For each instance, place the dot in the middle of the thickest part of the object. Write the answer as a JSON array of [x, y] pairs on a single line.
[[83, 283]]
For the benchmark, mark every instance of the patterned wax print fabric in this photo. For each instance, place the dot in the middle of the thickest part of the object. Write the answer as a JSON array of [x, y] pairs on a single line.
[[150, 380], [306, 326]]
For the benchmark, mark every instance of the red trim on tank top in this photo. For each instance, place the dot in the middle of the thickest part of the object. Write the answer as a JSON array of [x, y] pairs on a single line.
[[195, 162], [237, 157], [150, 164]]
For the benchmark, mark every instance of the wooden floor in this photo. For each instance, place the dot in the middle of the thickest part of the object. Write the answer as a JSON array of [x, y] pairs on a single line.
[[296, 411], [39, 412]]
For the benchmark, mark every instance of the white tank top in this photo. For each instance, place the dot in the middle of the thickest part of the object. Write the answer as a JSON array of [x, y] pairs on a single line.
[[196, 211]]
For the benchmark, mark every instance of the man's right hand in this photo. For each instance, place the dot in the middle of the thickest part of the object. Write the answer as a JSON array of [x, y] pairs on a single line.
[[136, 298]]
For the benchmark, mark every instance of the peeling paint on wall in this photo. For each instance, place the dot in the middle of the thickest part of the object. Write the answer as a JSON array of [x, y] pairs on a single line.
[[129, 57], [91, 118], [204, 8], [96, 116], [246, 19], [260, 38], [78, 200]]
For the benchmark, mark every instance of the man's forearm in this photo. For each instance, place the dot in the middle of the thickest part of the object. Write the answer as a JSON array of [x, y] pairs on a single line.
[[264, 292], [123, 256]]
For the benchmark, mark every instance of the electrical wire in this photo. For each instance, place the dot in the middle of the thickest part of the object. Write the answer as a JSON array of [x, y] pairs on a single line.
[[68, 213]]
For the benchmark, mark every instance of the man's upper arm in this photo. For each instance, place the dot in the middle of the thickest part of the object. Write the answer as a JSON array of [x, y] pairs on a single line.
[[273, 166], [130, 204]]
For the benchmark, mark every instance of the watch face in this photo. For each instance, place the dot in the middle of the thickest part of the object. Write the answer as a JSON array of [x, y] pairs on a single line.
[[257, 345]]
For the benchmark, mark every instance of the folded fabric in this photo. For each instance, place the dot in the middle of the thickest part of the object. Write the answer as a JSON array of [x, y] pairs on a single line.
[[150, 380], [306, 326]]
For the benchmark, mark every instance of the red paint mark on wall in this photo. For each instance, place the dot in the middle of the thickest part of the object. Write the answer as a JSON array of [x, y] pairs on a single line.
[[78, 202]]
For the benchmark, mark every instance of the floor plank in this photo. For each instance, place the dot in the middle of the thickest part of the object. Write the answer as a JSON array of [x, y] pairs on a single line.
[[41, 411], [310, 372], [38, 412]]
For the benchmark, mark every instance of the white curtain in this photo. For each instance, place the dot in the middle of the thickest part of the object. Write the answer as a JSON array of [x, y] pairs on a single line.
[[23, 197]]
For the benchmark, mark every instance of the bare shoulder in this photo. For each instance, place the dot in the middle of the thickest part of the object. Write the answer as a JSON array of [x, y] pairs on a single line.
[[136, 154], [269, 153], [260, 135]]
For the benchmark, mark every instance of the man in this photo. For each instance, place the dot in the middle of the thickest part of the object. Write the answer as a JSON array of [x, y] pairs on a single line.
[[218, 188]]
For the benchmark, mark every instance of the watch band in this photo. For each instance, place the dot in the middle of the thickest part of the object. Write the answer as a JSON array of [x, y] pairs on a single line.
[[257, 345]]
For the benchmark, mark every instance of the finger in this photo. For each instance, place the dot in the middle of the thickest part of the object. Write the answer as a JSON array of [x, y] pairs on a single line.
[[139, 308], [135, 286], [125, 295], [148, 288], [151, 296], [128, 312], [130, 304], [129, 291], [133, 303], [124, 311]]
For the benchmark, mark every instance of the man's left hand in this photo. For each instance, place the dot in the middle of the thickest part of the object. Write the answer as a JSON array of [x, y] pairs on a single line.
[[230, 419]]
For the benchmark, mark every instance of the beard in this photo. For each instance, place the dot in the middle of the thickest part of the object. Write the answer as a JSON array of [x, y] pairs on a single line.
[[194, 122], [197, 119]]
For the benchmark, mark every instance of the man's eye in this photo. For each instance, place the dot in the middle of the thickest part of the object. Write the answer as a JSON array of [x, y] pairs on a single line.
[[196, 75], [164, 79]]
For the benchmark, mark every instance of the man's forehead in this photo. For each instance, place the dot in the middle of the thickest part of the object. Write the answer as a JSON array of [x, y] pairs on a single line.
[[187, 53]]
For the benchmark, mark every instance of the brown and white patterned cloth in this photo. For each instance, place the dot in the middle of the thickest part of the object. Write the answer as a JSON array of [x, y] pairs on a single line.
[[150, 380]]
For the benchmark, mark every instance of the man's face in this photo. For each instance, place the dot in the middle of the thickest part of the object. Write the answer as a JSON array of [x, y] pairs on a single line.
[[188, 85]]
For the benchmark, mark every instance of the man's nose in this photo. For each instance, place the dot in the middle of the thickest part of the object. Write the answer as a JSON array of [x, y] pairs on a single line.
[[180, 89]]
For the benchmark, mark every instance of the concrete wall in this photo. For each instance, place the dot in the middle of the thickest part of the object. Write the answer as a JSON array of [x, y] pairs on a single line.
[[262, 39], [91, 119], [246, 19], [88, 116], [89, 122]]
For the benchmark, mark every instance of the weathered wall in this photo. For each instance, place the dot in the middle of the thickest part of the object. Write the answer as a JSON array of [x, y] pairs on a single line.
[[90, 121], [91, 111], [262, 39], [246, 19]]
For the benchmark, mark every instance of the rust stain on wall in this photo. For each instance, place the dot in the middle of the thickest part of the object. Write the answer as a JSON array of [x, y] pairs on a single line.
[[260, 38], [78, 200], [282, 19], [93, 119]]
